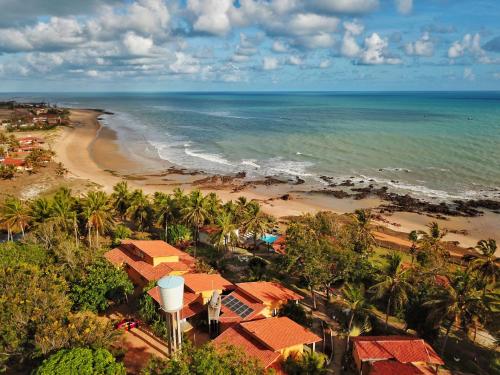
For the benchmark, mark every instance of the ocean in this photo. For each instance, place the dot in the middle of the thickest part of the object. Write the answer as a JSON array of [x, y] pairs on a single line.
[[438, 145]]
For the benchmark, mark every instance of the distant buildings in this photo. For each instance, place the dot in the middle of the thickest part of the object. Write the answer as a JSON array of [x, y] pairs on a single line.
[[388, 355]]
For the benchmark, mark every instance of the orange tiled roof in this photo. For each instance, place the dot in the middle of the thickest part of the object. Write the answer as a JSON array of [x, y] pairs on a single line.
[[279, 332], [400, 348], [155, 248], [200, 282], [268, 292], [13, 162], [120, 256], [393, 368], [228, 316], [237, 336], [190, 307]]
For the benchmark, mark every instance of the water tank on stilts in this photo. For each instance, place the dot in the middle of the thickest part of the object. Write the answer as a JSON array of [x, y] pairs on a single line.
[[172, 301]]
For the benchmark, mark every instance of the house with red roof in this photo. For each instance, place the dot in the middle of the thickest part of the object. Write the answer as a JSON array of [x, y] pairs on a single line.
[[279, 245], [388, 355], [146, 261], [269, 340], [19, 164], [254, 300]]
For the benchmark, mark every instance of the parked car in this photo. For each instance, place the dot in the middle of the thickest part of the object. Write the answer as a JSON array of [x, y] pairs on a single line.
[[127, 323]]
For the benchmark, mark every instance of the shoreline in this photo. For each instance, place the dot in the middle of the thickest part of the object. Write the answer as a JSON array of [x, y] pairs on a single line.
[[91, 151]]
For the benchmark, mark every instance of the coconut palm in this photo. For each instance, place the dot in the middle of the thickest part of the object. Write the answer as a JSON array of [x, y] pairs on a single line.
[[14, 215], [63, 211], [393, 285], [257, 222], [140, 210], [96, 213], [121, 198], [454, 304], [164, 208], [195, 213], [413, 237], [486, 266], [226, 233], [354, 299], [361, 231], [41, 210], [213, 205], [431, 241]]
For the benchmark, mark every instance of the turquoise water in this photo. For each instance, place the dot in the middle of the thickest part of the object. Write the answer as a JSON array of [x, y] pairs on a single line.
[[269, 238], [442, 145]]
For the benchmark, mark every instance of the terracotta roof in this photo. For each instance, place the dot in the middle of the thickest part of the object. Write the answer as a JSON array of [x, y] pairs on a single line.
[[190, 307], [279, 332], [14, 162], [400, 348], [120, 256], [268, 292], [237, 336], [393, 368], [155, 248], [280, 245], [210, 229], [200, 282], [228, 316]]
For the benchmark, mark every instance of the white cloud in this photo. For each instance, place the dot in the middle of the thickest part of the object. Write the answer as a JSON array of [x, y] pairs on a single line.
[[375, 51], [323, 64], [320, 40], [279, 47], [310, 24], [469, 45], [270, 63], [469, 74], [404, 6], [136, 44], [184, 64], [294, 60], [355, 28], [422, 47], [346, 6], [212, 16], [92, 73]]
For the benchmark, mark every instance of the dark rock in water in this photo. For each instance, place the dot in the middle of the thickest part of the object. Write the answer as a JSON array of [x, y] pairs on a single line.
[[299, 181], [347, 183], [285, 197], [326, 178], [371, 180], [108, 113], [241, 174], [381, 169], [395, 181]]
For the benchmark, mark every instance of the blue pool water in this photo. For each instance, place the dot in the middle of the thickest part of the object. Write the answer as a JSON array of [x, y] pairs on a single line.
[[269, 238]]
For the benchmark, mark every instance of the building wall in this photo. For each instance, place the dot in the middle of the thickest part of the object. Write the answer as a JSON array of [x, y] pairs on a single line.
[[157, 260], [292, 349]]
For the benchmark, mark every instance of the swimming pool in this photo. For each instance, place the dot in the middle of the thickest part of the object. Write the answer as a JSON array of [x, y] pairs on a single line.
[[269, 238]]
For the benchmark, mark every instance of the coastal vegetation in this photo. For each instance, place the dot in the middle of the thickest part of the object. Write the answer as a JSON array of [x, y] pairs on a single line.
[[54, 280]]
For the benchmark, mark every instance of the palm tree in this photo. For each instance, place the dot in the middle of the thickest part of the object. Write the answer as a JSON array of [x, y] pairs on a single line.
[[121, 198], [226, 233], [454, 303], [431, 241], [14, 215], [361, 227], [486, 266], [41, 210], [63, 211], [97, 214], [413, 237], [140, 210], [257, 222], [195, 213], [164, 207], [393, 285], [213, 205], [356, 302]]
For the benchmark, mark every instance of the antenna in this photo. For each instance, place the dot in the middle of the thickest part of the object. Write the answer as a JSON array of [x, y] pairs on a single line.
[[172, 301]]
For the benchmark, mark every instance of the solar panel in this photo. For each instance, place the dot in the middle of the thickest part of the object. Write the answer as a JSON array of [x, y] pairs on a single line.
[[237, 306]]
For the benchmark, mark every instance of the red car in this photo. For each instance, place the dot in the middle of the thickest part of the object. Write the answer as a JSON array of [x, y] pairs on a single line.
[[128, 324]]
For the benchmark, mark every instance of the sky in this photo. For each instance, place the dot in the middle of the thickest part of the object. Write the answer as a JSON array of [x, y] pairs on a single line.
[[249, 45]]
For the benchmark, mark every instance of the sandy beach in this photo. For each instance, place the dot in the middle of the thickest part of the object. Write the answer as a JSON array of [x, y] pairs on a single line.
[[91, 152]]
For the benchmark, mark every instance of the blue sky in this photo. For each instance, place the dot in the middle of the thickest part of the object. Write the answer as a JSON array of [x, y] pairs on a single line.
[[170, 45]]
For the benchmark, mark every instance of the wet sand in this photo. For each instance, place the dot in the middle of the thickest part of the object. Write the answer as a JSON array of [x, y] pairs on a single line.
[[91, 152]]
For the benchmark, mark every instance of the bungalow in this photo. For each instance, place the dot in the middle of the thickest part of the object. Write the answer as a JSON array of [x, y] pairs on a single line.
[[269, 340], [19, 164], [147, 261], [28, 141], [253, 300], [386, 355]]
